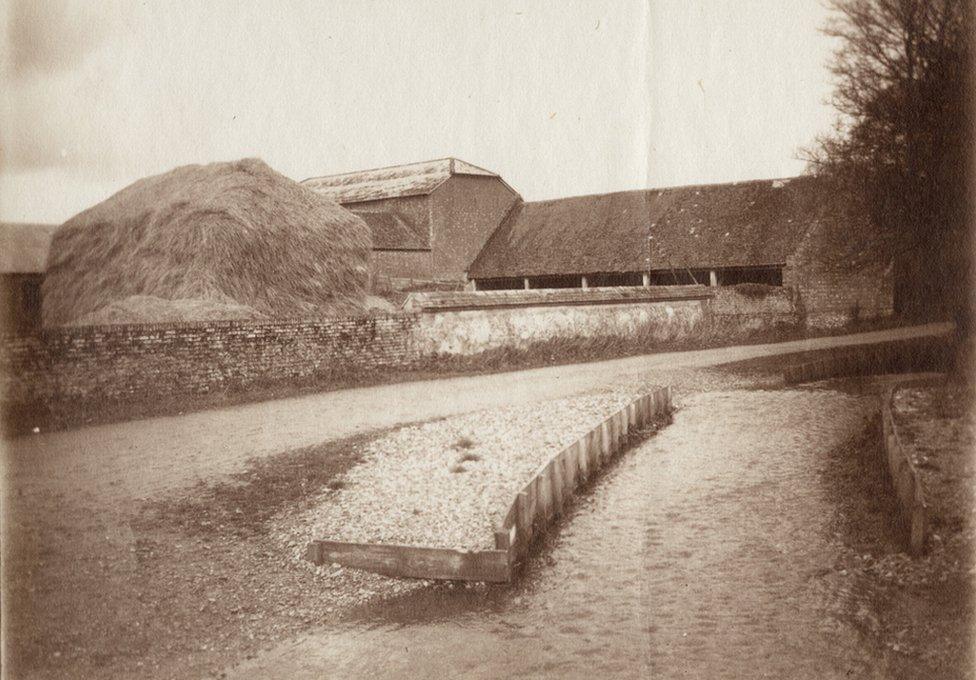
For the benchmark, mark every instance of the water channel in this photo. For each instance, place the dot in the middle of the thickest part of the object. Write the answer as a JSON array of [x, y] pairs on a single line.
[[699, 554]]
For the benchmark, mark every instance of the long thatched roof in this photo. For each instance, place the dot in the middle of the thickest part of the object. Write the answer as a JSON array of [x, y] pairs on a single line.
[[237, 235], [745, 224]]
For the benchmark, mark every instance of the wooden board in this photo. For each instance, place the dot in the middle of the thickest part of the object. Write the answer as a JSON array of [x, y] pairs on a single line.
[[529, 515], [606, 440], [505, 538], [570, 468], [582, 460], [413, 562], [556, 484], [526, 511], [593, 451], [544, 499]]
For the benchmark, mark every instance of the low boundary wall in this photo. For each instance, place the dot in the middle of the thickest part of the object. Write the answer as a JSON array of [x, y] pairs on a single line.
[[529, 516], [904, 478], [899, 356], [139, 363]]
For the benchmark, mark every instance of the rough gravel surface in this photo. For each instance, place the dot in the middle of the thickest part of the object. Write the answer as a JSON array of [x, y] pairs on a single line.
[[449, 482]]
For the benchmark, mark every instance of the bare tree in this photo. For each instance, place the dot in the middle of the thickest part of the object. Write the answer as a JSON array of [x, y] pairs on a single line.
[[904, 137]]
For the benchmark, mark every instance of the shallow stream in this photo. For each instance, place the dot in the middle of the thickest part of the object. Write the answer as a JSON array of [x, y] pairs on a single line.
[[701, 553]]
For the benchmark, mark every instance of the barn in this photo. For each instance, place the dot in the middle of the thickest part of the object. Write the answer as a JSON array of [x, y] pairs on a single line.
[[450, 222], [785, 232], [23, 252], [429, 220]]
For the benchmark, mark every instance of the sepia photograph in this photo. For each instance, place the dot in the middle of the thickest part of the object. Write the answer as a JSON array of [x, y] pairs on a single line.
[[570, 339]]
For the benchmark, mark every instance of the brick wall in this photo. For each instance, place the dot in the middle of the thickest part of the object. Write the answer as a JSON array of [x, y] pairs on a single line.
[[841, 273], [139, 363], [833, 298], [388, 266], [750, 307], [136, 361]]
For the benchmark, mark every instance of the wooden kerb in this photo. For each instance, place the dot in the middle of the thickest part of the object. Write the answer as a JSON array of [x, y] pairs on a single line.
[[531, 512], [556, 483], [410, 561], [582, 458], [890, 356], [904, 479]]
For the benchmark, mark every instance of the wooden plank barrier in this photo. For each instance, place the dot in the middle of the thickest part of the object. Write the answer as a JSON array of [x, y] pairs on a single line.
[[904, 479], [893, 356], [415, 562], [532, 511]]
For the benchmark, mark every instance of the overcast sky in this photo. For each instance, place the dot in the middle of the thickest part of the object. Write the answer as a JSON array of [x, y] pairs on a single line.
[[561, 98]]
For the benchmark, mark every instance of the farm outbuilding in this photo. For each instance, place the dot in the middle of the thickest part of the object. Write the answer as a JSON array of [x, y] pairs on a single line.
[[23, 251], [429, 220], [442, 224], [784, 232]]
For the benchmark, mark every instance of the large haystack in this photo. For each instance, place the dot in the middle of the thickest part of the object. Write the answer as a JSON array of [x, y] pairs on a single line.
[[236, 238]]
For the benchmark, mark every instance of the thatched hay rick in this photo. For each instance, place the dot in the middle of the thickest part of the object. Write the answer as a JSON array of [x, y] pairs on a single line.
[[224, 240]]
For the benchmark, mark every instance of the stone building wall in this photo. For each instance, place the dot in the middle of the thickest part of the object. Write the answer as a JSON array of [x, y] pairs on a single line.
[[752, 307], [842, 273], [465, 211]]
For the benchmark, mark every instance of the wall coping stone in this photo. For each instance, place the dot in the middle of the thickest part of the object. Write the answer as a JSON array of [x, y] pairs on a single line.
[[483, 299], [223, 324]]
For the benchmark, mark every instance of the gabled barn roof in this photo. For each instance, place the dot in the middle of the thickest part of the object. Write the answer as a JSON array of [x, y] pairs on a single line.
[[23, 247], [412, 179], [391, 232], [719, 225]]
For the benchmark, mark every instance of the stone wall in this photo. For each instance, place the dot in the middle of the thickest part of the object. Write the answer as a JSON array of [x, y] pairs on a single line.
[[469, 322], [468, 332], [832, 298], [137, 361], [751, 308]]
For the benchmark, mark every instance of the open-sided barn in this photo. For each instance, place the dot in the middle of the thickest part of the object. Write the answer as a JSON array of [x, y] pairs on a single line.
[[775, 232]]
